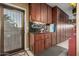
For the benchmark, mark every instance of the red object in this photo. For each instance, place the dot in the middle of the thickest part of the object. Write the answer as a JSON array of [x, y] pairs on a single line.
[[72, 44]]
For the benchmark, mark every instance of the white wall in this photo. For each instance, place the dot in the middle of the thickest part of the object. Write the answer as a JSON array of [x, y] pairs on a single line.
[[77, 30]]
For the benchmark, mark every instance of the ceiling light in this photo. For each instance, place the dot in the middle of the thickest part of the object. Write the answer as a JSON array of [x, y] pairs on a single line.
[[73, 4]]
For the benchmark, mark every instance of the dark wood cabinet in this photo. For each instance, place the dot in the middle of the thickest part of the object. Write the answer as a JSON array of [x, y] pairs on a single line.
[[40, 12], [39, 42], [44, 13], [59, 18]]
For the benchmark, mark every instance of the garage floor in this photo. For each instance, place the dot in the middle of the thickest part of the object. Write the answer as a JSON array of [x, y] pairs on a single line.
[[55, 51], [60, 50]]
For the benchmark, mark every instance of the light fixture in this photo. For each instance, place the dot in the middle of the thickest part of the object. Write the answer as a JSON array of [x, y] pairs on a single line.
[[73, 5]]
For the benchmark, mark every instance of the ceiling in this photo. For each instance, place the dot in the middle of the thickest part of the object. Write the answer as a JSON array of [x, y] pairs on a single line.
[[65, 7]]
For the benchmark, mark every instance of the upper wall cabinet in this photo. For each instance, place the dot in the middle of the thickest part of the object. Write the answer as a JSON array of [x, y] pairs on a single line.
[[40, 12], [60, 18]]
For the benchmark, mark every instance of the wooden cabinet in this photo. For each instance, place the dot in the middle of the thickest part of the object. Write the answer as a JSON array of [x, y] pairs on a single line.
[[59, 18], [49, 19], [39, 42], [40, 12], [39, 46]]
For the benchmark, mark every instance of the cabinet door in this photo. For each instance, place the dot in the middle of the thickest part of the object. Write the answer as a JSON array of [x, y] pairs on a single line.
[[49, 19], [54, 14], [43, 13], [39, 43], [48, 41], [38, 12], [64, 27], [41, 46], [36, 46], [58, 32], [54, 38], [32, 12]]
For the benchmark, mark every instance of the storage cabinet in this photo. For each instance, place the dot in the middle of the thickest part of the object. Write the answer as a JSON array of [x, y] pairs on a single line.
[[60, 18], [36, 43], [39, 42], [40, 12]]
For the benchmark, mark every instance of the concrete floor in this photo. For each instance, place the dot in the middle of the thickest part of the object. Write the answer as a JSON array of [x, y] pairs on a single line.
[[59, 50], [64, 44]]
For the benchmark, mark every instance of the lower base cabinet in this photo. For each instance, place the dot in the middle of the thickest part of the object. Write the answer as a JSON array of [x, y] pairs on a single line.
[[39, 42], [42, 41]]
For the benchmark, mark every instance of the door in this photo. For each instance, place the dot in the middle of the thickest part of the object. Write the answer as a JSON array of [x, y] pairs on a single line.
[[13, 30]]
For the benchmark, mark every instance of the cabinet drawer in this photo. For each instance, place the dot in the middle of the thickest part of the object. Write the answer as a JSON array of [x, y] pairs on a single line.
[[39, 36]]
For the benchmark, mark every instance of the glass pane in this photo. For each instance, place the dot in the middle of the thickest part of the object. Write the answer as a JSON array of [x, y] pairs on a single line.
[[12, 29]]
